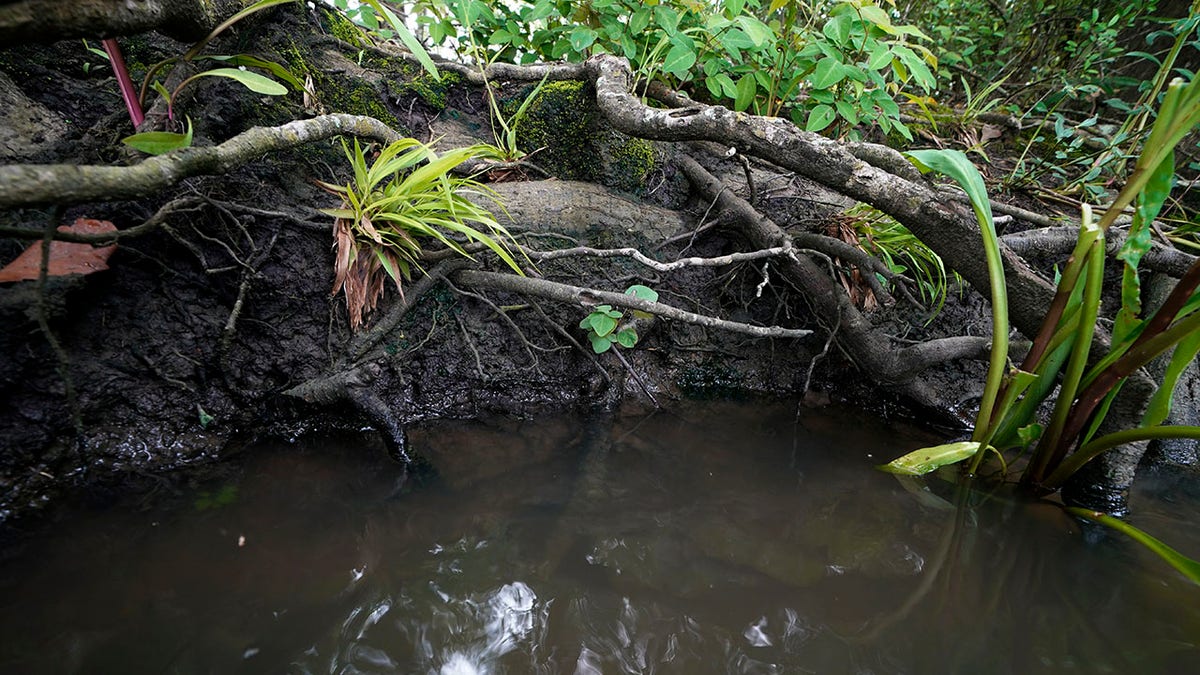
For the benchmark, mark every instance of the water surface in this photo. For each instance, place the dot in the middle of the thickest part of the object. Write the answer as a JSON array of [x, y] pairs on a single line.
[[721, 538]]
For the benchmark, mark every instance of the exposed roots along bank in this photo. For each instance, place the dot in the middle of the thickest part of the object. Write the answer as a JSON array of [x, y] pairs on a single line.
[[359, 372]]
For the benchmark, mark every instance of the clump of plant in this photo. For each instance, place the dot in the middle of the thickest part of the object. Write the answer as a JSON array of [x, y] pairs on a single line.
[[159, 142], [1060, 352], [395, 205], [606, 326], [902, 252]]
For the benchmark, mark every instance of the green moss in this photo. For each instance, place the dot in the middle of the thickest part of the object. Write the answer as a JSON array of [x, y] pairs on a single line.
[[294, 59], [420, 83], [629, 162], [562, 120], [355, 98], [342, 28]]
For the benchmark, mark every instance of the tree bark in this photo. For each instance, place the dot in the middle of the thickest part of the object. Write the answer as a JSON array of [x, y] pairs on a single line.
[[27, 21]]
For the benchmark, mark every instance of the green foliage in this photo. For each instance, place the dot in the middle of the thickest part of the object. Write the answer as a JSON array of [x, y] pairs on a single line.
[[407, 196], [603, 324], [1188, 567], [902, 252], [165, 141], [160, 142], [818, 63], [1061, 350], [366, 14]]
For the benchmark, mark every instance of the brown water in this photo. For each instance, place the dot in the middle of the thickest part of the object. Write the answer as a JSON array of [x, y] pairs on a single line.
[[722, 538]]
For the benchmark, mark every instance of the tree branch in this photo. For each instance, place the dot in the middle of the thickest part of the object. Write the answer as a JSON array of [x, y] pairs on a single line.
[[35, 184], [586, 297]]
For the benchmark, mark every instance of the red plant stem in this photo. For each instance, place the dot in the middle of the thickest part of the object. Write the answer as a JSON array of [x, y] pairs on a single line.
[[127, 91], [1139, 354]]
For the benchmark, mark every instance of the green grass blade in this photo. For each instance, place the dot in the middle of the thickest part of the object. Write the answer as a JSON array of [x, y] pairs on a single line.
[[1187, 566]]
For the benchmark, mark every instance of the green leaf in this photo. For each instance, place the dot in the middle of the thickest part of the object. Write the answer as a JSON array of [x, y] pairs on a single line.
[[747, 87], [160, 142], [820, 117], [875, 15], [582, 38], [260, 5], [679, 60], [410, 41], [602, 324], [1029, 433], [627, 338], [758, 31], [1160, 404], [837, 29], [1188, 567], [829, 71], [276, 69], [205, 418], [600, 343], [919, 462], [256, 83], [643, 292]]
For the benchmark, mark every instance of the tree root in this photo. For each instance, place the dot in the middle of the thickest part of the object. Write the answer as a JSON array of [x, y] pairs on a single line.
[[587, 297], [35, 184]]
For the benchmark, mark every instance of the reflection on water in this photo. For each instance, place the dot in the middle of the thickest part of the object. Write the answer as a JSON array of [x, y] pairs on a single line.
[[722, 538]]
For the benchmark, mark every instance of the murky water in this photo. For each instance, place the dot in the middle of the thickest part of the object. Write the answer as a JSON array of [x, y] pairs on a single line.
[[720, 539]]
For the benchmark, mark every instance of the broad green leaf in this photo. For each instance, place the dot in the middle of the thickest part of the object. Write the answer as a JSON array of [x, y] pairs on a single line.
[[1188, 567], [829, 71], [837, 29], [159, 142], [643, 292], [679, 61], [582, 38], [919, 462], [820, 117], [256, 83], [627, 338], [758, 31], [747, 87], [875, 15], [603, 324], [600, 343]]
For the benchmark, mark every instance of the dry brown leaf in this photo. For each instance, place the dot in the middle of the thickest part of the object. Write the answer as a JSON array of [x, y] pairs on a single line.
[[65, 257]]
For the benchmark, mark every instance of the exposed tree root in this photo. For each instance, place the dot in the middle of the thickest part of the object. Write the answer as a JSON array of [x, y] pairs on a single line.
[[35, 184]]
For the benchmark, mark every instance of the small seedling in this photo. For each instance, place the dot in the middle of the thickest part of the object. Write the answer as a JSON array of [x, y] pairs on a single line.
[[604, 323]]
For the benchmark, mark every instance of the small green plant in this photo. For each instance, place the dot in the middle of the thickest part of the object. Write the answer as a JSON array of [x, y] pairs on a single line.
[[902, 252], [405, 197], [160, 142], [604, 324]]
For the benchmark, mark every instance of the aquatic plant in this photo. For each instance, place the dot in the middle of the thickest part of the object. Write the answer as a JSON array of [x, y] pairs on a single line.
[[1061, 351]]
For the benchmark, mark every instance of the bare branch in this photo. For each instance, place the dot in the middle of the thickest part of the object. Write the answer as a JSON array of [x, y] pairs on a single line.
[[586, 297]]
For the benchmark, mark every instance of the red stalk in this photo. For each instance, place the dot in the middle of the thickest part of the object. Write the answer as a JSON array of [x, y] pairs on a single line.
[[127, 91]]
